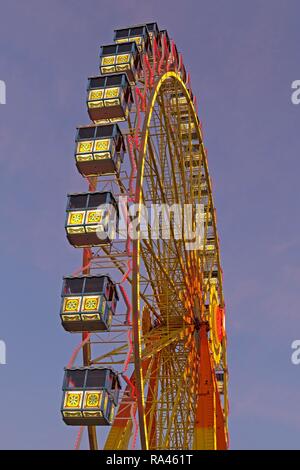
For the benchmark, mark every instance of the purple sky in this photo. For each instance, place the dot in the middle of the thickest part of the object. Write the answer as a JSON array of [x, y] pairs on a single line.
[[243, 57]]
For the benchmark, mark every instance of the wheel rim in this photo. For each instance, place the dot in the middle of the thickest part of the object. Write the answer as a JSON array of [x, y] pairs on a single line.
[[183, 338]]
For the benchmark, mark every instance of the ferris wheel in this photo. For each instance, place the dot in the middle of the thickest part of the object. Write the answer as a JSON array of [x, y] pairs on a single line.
[[147, 300]]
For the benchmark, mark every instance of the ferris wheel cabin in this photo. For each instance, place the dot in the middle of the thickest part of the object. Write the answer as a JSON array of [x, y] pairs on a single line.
[[163, 36], [187, 128], [88, 303], [220, 381], [99, 150], [90, 395], [109, 98], [192, 156], [92, 219], [138, 34], [153, 30], [118, 58]]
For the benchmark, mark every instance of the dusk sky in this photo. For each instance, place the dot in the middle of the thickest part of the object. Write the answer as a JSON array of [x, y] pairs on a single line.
[[243, 57]]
